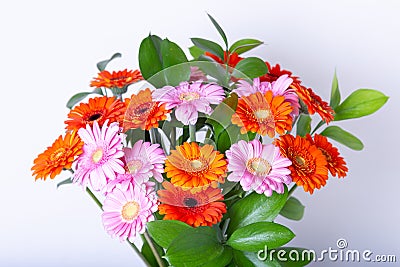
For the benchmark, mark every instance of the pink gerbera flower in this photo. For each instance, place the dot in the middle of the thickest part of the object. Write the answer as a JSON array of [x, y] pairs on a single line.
[[278, 87], [145, 160], [127, 209], [258, 167], [101, 157], [189, 99]]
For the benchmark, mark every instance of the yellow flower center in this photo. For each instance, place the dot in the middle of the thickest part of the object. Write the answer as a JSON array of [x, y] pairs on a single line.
[[258, 166], [59, 153], [196, 164], [262, 114], [97, 155], [134, 165], [189, 96], [130, 210]]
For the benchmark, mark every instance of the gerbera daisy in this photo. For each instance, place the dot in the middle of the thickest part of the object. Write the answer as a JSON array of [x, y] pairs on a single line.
[[189, 99], [142, 112], [145, 160], [275, 72], [264, 114], [101, 158], [279, 87], [314, 102], [127, 210], [201, 208], [60, 155], [308, 167], [119, 79], [196, 74], [258, 167], [336, 164], [232, 61], [98, 109], [193, 166]]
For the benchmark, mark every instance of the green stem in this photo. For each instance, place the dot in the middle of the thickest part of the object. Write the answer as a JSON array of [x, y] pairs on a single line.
[[131, 244], [153, 137], [292, 190], [153, 249], [173, 138], [192, 133]]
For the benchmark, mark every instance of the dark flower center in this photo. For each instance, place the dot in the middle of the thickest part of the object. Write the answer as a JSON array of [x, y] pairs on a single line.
[[190, 202], [95, 116]]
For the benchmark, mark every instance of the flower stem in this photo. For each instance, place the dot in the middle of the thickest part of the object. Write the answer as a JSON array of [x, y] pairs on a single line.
[[173, 138], [131, 244], [292, 190], [192, 132], [153, 249]]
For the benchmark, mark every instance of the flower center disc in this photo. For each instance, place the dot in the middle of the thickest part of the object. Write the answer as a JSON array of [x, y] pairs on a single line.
[[258, 166], [130, 210], [134, 166], [190, 202], [262, 114], [57, 154], [97, 155], [95, 117], [196, 164], [189, 96], [143, 109], [300, 160]]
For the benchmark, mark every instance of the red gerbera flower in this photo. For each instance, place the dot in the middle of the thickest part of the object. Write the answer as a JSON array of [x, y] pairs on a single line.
[[232, 61], [199, 208], [275, 72], [336, 164], [118, 79], [314, 102]]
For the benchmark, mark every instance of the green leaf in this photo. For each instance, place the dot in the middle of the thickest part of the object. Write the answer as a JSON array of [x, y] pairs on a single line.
[[209, 46], [148, 253], [338, 134], [293, 209], [194, 247], [293, 257], [222, 114], [335, 93], [256, 236], [256, 208], [149, 58], [172, 59], [251, 67], [66, 181], [221, 261], [244, 45], [220, 30], [164, 232], [361, 102], [303, 125], [103, 64], [196, 52], [80, 96], [250, 259]]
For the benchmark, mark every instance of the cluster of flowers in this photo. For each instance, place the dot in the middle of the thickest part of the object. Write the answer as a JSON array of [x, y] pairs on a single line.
[[94, 148]]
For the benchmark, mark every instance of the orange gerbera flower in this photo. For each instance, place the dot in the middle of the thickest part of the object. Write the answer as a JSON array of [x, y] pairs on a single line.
[[201, 208], [264, 114], [60, 155], [143, 112], [98, 109], [192, 166], [314, 102], [336, 164], [118, 79], [308, 167]]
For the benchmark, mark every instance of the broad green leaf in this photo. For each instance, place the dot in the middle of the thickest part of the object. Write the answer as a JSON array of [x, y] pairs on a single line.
[[164, 232], [361, 102], [220, 30], [222, 114], [149, 58], [338, 134], [335, 93], [222, 260], [256, 236], [251, 259], [227, 137], [256, 208], [172, 59], [251, 67], [209, 46], [194, 247], [66, 181], [103, 64], [196, 52], [80, 96], [244, 45], [293, 209], [303, 125], [293, 257]]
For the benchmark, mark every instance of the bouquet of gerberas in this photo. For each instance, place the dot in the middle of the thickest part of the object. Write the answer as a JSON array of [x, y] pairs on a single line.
[[200, 157]]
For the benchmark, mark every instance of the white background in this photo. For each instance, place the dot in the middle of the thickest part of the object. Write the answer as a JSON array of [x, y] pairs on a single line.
[[48, 53]]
